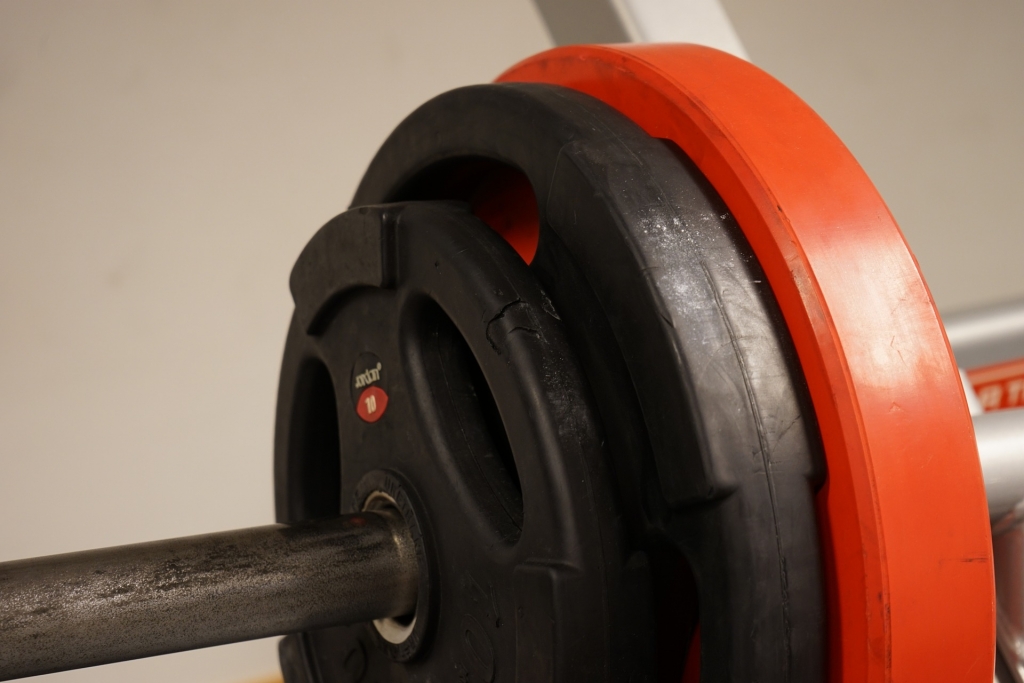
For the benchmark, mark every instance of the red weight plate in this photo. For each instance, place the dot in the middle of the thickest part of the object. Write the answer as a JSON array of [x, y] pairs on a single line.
[[504, 200], [904, 521]]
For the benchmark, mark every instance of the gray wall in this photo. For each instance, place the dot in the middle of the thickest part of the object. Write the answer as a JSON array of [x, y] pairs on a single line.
[[161, 166]]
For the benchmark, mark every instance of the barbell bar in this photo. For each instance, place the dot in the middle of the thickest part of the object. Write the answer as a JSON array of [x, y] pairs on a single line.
[[114, 604]]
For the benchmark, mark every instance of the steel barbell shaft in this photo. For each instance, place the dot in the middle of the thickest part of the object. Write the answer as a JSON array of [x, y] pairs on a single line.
[[1000, 436], [100, 606], [988, 335]]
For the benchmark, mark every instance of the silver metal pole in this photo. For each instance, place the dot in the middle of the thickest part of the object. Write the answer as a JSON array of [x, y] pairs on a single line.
[[1000, 436], [987, 335], [99, 606], [640, 21]]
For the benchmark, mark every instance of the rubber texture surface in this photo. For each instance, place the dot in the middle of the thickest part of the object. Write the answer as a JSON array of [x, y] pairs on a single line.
[[906, 538], [489, 440], [698, 389]]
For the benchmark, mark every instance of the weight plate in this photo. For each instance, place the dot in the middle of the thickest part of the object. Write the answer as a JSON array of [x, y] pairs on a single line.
[[452, 394], [905, 531], [698, 390]]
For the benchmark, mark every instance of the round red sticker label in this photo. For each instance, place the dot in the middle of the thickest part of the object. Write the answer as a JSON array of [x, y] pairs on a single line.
[[371, 404]]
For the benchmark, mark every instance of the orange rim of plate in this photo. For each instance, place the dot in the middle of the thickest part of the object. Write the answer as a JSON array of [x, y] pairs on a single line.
[[903, 518]]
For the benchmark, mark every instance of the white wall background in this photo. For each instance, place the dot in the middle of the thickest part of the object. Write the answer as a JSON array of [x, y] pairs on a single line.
[[162, 164]]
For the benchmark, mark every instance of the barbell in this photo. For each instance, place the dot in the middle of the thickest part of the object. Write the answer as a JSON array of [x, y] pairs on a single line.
[[617, 369]]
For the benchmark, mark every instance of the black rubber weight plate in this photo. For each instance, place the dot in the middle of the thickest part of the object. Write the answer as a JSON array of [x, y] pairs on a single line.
[[437, 317], [708, 426]]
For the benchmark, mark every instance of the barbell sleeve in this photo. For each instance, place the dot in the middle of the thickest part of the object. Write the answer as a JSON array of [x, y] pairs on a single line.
[[114, 604]]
